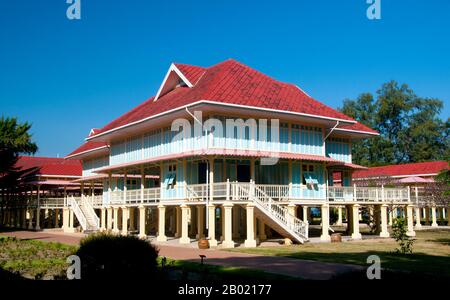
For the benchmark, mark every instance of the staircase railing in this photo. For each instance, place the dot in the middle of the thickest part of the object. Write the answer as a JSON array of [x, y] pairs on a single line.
[[280, 212], [90, 212], [78, 212]]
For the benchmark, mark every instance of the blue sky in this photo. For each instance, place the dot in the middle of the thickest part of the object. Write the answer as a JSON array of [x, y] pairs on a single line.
[[66, 77]]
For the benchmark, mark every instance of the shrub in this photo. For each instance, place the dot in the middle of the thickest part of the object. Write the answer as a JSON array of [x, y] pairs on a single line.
[[108, 256], [399, 233]]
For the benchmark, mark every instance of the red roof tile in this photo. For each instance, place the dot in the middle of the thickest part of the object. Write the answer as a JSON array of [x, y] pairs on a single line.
[[231, 82], [87, 147], [48, 166], [432, 167]]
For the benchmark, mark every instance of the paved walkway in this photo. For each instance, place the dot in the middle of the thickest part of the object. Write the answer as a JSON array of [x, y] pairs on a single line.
[[280, 265]]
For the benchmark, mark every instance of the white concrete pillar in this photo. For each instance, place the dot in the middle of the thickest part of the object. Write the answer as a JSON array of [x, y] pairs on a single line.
[[142, 233], [66, 217], [161, 224], [228, 241], [200, 221], [410, 220], [212, 225], [433, 217], [391, 216], [116, 220], [305, 214], [384, 221], [355, 230], [184, 225], [109, 221], [339, 220], [418, 225], [325, 212], [102, 219], [250, 241], [71, 221], [125, 212]]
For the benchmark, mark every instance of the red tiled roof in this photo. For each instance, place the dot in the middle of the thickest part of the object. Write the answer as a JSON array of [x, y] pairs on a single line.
[[48, 166], [230, 82], [432, 167], [87, 147]]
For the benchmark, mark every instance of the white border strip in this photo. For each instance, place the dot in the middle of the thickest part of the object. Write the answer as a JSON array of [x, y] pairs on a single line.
[[181, 75], [85, 152], [356, 131]]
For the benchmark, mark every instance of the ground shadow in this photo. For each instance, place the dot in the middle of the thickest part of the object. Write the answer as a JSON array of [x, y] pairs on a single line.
[[6, 275]]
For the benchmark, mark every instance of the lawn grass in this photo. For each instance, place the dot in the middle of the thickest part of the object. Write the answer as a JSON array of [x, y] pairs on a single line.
[[181, 269], [47, 260], [431, 253], [34, 259]]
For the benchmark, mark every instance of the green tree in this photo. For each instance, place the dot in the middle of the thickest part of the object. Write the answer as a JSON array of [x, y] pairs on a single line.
[[15, 139], [409, 126]]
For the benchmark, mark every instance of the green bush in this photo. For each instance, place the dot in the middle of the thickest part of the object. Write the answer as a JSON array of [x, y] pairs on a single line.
[[108, 256], [399, 233]]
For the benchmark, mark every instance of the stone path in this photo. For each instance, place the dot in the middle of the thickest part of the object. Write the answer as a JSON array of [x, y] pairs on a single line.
[[279, 265]]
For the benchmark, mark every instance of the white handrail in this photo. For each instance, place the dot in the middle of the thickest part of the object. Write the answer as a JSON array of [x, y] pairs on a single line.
[[78, 213], [90, 212], [281, 213]]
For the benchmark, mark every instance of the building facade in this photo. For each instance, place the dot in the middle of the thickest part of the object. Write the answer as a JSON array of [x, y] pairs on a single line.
[[37, 198], [429, 196], [229, 154]]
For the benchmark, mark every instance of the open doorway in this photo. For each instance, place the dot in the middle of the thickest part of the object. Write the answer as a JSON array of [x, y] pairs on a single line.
[[243, 173], [202, 172]]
